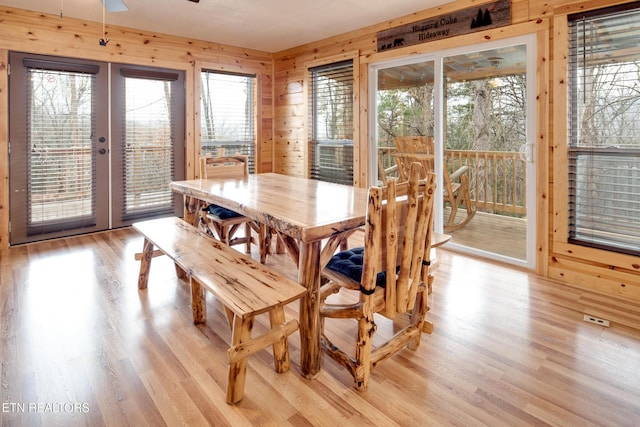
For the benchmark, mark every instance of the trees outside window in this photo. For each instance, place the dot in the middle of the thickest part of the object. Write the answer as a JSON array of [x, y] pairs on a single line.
[[331, 116], [227, 112], [604, 130]]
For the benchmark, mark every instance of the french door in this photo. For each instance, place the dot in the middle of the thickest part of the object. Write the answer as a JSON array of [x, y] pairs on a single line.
[[474, 108], [77, 165]]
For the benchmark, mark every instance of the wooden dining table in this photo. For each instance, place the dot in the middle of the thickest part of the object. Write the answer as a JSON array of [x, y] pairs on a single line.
[[310, 216]]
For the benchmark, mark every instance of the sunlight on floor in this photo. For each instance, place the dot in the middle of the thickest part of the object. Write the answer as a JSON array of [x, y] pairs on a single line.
[[60, 294], [471, 291]]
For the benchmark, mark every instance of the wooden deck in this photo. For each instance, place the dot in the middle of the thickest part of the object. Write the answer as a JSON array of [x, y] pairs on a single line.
[[499, 234]]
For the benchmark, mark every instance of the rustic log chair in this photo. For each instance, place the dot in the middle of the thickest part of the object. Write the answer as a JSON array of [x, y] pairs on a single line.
[[455, 189], [220, 222], [389, 274]]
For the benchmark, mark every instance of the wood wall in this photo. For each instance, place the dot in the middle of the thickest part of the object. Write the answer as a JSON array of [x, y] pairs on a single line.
[[282, 122]]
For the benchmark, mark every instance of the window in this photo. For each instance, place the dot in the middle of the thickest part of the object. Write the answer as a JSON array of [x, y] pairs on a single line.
[[228, 114], [331, 107], [604, 130], [150, 116]]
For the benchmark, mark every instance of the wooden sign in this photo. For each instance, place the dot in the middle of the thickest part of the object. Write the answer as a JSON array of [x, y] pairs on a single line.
[[477, 18]]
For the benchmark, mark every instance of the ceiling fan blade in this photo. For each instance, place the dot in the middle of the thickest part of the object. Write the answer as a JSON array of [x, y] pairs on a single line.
[[114, 5]]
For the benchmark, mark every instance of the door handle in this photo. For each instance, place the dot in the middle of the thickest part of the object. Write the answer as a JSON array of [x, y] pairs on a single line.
[[102, 150]]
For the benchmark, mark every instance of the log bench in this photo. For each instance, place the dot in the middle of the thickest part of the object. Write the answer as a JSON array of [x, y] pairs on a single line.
[[245, 287]]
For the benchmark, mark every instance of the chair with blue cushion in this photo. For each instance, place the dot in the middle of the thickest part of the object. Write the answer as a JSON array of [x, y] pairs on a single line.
[[220, 222], [389, 275]]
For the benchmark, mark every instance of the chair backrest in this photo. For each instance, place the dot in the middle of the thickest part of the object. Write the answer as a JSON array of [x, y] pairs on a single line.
[[414, 144], [397, 235], [224, 167], [418, 145], [410, 149]]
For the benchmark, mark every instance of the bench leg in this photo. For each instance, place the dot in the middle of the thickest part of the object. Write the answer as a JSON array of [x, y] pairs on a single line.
[[244, 346], [238, 369], [198, 302], [145, 264], [280, 348]]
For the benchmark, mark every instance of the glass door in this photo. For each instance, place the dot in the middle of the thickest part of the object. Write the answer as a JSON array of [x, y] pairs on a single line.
[[147, 116], [486, 132], [405, 115], [75, 168], [469, 115], [59, 158]]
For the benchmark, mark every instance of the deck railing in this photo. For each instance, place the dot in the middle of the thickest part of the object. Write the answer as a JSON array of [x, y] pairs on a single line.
[[497, 179]]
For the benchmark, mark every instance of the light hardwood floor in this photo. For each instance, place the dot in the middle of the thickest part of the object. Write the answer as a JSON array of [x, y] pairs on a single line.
[[82, 346]]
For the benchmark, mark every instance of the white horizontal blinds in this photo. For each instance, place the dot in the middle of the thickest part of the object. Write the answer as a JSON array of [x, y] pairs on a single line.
[[228, 114], [60, 159], [604, 145], [148, 137], [331, 107]]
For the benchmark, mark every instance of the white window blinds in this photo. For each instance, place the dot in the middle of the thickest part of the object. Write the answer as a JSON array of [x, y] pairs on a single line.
[[147, 148], [227, 111], [331, 108], [149, 125], [604, 130], [60, 125]]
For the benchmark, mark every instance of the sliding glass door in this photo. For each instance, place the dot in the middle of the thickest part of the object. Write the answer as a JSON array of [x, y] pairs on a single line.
[[468, 115], [72, 170], [486, 114]]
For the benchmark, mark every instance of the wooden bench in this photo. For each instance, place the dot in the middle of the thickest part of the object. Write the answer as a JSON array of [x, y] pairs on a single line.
[[245, 287]]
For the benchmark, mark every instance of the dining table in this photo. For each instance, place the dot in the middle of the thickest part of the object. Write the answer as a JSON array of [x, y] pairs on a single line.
[[311, 217]]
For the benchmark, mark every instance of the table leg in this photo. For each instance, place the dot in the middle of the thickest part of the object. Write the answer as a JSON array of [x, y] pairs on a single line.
[[191, 210], [309, 277]]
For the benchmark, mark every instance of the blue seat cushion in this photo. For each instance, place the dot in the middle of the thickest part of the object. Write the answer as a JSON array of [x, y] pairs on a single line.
[[349, 263], [220, 212]]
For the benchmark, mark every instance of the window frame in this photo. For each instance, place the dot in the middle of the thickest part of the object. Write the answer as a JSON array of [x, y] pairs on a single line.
[[330, 156], [565, 252], [360, 148], [253, 152], [596, 172]]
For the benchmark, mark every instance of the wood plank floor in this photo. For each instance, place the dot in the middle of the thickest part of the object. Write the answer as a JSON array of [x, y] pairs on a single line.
[[82, 346], [498, 234]]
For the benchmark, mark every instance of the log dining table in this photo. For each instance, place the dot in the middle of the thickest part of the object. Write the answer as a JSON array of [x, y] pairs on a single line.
[[311, 217]]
